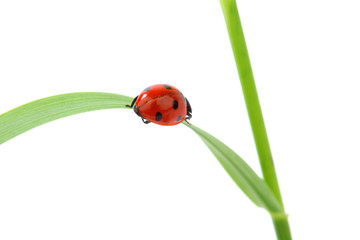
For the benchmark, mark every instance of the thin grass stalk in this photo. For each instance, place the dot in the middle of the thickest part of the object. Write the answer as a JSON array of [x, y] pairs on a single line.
[[247, 81]]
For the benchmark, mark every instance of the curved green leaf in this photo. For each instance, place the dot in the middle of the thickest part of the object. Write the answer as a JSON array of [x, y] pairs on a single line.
[[252, 185], [33, 114]]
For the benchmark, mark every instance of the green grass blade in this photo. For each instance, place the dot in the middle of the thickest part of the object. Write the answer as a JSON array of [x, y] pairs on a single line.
[[248, 181], [241, 55], [242, 60], [33, 114]]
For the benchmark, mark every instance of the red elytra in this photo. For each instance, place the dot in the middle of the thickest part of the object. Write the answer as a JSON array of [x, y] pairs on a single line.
[[162, 104]]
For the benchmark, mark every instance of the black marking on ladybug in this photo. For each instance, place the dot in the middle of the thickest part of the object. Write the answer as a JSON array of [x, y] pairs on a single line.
[[158, 116], [175, 104], [167, 86], [179, 118], [146, 89]]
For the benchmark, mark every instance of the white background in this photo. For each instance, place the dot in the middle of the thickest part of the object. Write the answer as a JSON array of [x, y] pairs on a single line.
[[106, 175]]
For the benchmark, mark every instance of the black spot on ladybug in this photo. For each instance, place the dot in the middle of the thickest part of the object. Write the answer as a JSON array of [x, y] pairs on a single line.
[[179, 118], [146, 89], [175, 104], [167, 86], [158, 116]]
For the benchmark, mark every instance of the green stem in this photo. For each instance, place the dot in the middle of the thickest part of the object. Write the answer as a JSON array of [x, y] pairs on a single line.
[[246, 76], [282, 228], [250, 94]]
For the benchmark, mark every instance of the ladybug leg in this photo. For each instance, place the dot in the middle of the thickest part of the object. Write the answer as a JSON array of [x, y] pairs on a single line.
[[145, 121], [189, 111], [132, 103]]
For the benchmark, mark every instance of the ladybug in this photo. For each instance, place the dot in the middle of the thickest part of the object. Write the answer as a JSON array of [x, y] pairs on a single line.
[[162, 104]]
